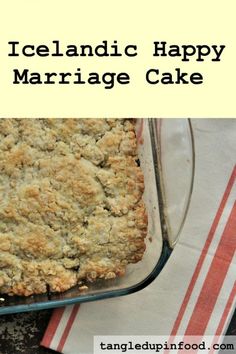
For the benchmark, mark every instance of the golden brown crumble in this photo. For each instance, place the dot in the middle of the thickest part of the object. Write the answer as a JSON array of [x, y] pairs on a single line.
[[70, 202]]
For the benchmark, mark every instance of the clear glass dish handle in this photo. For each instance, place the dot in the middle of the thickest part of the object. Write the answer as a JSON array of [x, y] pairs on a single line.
[[176, 160]]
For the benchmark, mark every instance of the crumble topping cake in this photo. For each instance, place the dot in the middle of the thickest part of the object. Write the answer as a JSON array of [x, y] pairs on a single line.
[[71, 204]]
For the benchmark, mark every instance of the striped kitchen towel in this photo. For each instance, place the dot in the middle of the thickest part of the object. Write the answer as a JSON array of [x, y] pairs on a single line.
[[195, 294]]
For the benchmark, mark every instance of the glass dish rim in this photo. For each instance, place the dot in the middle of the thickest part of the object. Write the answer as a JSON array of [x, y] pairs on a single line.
[[164, 256]]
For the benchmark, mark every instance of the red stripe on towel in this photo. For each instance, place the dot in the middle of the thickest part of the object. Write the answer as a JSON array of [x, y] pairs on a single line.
[[52, 327], [226, 311], [203, 253], [68, 328], [225, 314], [214, 279]]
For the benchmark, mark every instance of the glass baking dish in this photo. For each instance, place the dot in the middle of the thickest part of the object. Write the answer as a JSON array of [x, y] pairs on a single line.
[[166, 154]]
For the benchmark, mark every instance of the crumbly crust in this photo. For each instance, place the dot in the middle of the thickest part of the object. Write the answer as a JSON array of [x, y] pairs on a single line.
[[71, 204]]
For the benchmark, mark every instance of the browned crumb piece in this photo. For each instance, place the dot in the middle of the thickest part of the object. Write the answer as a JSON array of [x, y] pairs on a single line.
[[83, 288], [70, 202]]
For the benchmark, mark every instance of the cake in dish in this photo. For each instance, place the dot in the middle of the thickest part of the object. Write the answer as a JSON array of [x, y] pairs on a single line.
[[71, 206]]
